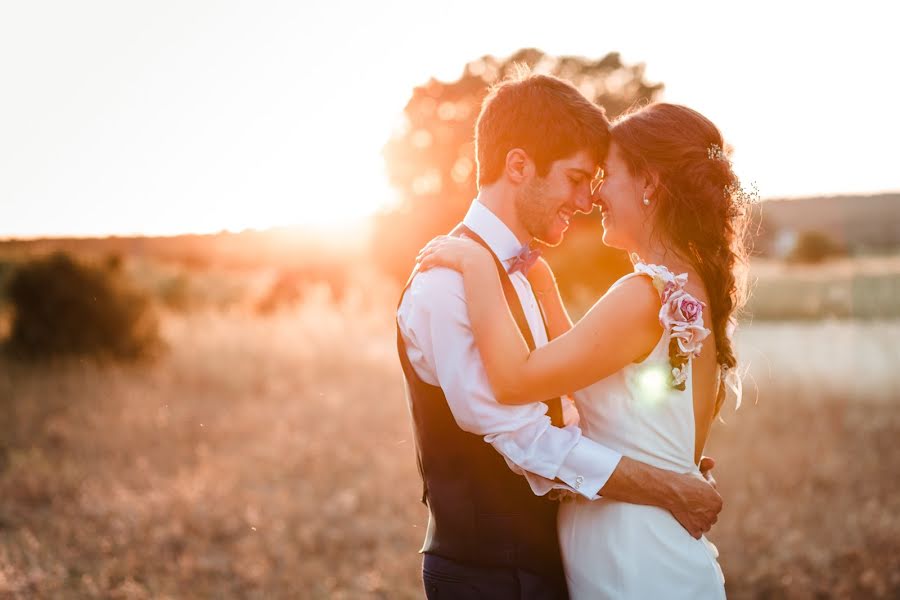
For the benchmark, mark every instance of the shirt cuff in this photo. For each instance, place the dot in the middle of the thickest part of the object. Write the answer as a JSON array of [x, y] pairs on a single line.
[[588, 467]]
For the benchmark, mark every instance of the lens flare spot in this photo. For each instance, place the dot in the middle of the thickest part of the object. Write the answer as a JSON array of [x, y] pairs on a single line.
[[652, 383]]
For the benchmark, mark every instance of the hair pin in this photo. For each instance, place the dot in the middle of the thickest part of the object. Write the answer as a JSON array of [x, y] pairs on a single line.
[[714, 152]]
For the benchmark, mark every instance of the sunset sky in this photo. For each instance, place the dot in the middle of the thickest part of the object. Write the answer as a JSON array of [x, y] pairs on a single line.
[[167, 117]]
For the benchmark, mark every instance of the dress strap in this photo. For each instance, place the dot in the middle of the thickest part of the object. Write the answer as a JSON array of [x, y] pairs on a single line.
[[681, 315]]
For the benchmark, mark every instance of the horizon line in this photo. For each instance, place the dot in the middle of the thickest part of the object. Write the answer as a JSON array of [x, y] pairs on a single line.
[[350, 225]]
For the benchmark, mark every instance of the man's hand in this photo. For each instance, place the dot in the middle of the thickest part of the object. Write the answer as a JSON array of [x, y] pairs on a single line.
[[688, 496], [707, 464], [696, 504]]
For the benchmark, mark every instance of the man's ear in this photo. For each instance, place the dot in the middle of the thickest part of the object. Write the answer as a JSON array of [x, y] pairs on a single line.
[[519, 166]]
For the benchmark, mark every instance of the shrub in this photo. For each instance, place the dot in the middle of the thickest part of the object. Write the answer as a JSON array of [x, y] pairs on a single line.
[[814, 247], [63, 307]]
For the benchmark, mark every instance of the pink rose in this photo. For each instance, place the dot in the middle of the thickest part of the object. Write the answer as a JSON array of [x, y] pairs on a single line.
[[691, 309], [690, 337], [670, 313], [682, 314], [681, 307]]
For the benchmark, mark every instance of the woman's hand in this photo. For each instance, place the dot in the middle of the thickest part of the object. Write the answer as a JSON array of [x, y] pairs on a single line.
[[451, 252]]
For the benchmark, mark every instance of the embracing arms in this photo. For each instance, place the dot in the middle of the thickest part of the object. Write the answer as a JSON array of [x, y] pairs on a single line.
[[439, 343], [620, 328], [434, 320]]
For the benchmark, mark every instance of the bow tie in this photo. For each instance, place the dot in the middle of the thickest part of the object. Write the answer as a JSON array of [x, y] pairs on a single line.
[[524, 260]]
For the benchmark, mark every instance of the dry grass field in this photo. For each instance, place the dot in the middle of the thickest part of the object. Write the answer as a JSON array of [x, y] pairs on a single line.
[[270, 457], [862, 287]]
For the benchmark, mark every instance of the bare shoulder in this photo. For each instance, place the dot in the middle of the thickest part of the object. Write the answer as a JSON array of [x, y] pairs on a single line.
[[634, 306], [639, 294]]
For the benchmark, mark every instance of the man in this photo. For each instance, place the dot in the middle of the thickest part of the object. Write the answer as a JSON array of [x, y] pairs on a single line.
[[487, 467]]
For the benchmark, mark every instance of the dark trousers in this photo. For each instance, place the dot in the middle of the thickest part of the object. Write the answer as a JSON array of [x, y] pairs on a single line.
[[449, 580]]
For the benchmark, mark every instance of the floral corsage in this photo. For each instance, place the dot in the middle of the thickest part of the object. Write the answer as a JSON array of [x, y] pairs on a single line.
[[682, 315]]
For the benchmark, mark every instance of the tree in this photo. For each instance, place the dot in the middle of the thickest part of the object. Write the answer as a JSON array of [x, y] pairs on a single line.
[[814, 247], [431, 160]]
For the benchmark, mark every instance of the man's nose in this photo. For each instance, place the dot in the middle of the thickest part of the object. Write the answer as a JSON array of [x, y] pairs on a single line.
[[585, 202]]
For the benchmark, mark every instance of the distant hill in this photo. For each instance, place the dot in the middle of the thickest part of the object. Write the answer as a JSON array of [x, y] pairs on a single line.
[[861, 223], [280, 247], [864, 224]]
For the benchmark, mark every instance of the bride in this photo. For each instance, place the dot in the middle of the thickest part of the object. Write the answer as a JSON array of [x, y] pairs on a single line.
[[652, 359]]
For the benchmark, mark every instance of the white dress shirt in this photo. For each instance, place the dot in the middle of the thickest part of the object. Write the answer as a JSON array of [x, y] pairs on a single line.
[[434, 323]]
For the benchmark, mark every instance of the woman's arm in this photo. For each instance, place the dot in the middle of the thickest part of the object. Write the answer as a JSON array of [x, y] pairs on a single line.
[[543, 284], [620, 328]]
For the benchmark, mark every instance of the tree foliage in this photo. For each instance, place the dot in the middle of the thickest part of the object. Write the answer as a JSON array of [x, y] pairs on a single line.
[[431, 159]]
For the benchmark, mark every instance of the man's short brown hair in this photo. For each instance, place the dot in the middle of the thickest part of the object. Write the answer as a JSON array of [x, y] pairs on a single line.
[[544, 116]]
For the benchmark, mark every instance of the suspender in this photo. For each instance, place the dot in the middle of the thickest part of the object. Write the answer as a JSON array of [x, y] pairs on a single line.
[[554, 405]]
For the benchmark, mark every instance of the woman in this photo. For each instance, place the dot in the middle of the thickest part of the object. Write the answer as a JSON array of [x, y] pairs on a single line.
[[651, 358]]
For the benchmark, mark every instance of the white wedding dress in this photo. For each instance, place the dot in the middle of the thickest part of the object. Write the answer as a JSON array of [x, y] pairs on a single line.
[[616, 550]]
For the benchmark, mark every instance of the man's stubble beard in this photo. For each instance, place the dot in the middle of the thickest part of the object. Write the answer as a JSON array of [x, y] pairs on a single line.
[[532, 210]]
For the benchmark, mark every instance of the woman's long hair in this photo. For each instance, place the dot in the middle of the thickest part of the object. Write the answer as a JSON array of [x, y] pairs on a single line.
[[700, 210]]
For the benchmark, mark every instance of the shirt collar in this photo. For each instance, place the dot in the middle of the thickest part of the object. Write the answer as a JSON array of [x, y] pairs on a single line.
[[502, 241]]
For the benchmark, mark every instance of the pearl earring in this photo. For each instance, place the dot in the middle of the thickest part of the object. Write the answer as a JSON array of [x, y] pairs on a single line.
[[646, 201]]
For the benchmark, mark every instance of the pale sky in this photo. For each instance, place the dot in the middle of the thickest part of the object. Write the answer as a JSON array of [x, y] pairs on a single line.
[[163, 117]]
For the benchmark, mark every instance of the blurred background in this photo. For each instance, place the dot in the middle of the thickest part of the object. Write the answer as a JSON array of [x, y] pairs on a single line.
[[209, 208]]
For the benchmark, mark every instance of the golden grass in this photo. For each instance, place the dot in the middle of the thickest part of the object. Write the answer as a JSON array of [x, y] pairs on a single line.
[[272, 458]]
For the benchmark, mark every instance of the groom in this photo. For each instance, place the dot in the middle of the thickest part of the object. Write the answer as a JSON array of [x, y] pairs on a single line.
[[487, 467]]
